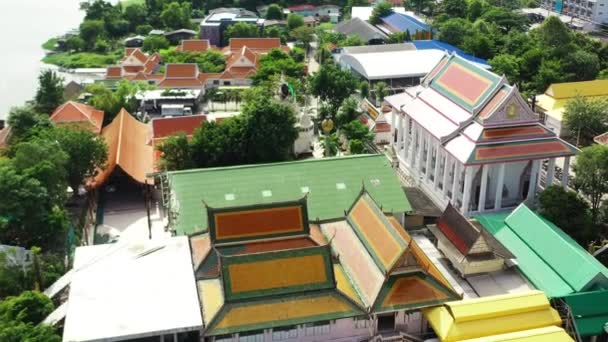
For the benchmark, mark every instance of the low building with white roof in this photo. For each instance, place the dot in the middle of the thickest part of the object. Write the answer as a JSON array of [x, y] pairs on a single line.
[[131, 291]]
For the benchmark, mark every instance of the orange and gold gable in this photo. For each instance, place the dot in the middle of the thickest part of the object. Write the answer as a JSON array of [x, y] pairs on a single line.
[[241, 224], [274, 273]]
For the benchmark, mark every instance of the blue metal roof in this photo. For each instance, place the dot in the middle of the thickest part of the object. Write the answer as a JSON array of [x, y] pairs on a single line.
[[438, 45], [402, 22]]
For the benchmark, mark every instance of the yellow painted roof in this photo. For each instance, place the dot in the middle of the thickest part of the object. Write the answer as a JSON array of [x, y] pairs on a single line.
[[211, 297], [345, 286], [494, 315], [572, 89], [547, 334]]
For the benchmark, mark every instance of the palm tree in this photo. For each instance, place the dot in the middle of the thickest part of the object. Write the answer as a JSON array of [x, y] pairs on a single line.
[[380, 92]]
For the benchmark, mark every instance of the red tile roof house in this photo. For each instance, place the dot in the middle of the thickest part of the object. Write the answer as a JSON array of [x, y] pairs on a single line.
[[134, 63], [162, 128], [78, 114], [194, 45]]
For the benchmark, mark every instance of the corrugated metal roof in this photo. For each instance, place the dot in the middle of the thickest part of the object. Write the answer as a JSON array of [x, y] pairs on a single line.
[[332, 185], [572, 89], [546, 255], [438, 45], [546, 334], [403, 22]]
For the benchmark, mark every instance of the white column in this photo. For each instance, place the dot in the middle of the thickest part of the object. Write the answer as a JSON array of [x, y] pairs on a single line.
[[565, 172], [550, 172], [481, 206], [437, 165], [533, 179], [446, 173], [429, 156], [399, 133], [499, 186], [395, 112], [406, 136], [455, 189], [415, 133], [421, 138], [466, 192]]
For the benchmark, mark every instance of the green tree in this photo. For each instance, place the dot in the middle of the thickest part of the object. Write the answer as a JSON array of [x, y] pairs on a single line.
[[550, 71], [175, 153], [506, 19], [45, 162], [586, 118], [567, 210], [455, 8], [241, 30], [155, 43], [101, 46], [25, 122], [303, 34], [136, 14], [75, 44], [176, 15], [28, 216], [86, 153], [274, 12], [380, 92], [90, 31], [111, 102], [333, 84], [349, 111], [277, 62], [591, 170], [143, 30], [50, 91], [28, 307], [581, 65], [353, 40], [355, 146], [475, 9], [294, 21], [417, 6], [218, 144], [297, 54], [268, 128], [364, 89], [453, 31], [96, 9], [507, 65], [380, 11], [478, 44], [356, 130], [554, 33]]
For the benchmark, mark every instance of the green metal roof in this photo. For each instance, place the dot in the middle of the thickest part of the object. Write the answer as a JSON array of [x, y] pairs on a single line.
[[333, 185], [550, 259], [590, 311]]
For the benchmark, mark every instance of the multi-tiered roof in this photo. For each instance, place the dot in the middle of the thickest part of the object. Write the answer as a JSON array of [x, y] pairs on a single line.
[[478, 117], [264, 266]]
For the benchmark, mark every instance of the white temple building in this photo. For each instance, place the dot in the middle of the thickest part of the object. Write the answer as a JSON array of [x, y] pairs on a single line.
[[470, 139]]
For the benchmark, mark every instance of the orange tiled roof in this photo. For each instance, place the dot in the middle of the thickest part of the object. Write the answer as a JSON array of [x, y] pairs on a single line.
[[194, 45], [114, 72], [181, 71], [255, 43], [132, 69], [164, 127], [74, 112], [126, 138]]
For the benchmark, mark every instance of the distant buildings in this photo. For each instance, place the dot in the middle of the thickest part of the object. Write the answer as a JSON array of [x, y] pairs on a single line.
[[368, 33], [332, 12], [134, 65], [595, 11], [213, 26], [471, 140], [551, 105]]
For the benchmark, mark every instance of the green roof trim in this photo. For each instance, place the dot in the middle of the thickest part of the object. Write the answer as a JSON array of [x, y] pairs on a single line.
[[550, 259], [590, 312], [333, 185]]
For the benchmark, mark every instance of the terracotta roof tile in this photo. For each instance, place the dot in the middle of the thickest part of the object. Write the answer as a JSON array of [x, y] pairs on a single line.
[[456, 228], [74, 112], [164, 127], [114, 72], [132, 69], [183, 71], [194, 45], [255, 43]]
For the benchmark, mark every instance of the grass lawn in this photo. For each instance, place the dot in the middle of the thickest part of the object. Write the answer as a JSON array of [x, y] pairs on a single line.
[[83, 59]]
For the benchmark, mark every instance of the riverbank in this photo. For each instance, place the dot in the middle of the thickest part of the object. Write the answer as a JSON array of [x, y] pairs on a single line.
[[69, 60]]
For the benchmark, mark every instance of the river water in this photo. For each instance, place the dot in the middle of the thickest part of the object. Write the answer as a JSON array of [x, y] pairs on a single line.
[[24, 26]]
